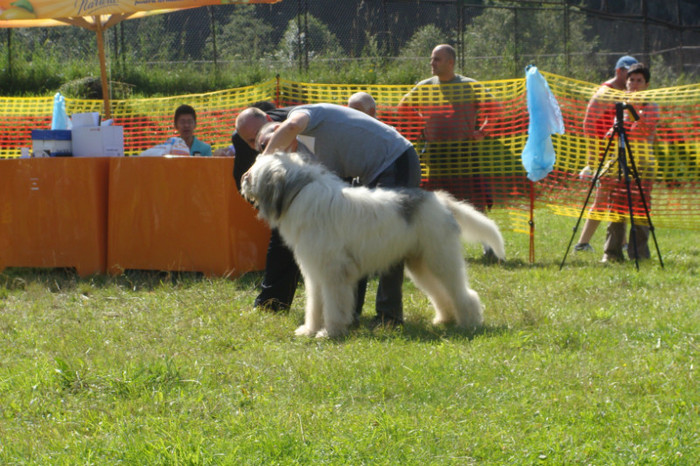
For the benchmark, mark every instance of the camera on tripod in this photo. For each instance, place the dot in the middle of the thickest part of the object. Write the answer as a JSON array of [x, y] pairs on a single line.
[[620, 108], [626, 171]]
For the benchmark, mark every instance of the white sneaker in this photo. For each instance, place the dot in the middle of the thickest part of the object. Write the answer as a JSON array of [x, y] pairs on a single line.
[[583, 247]]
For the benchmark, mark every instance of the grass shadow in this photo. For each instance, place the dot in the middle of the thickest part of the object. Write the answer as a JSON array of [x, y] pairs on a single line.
[[416, 331], [66, 279], [426, 332], [248, 280]]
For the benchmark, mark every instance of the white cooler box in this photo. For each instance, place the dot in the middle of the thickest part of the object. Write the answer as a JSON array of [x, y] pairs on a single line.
[[52, 143], [98, 141]]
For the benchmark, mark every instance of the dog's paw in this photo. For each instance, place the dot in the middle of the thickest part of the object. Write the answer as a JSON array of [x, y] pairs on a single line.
[[304, 331], [331, 332], [442, 320]]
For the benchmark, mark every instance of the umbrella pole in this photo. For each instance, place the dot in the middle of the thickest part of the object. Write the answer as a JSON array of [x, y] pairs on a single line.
[[103, 67]]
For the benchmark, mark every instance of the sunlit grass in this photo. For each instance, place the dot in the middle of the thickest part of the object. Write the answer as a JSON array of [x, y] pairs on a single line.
[[593, 364]]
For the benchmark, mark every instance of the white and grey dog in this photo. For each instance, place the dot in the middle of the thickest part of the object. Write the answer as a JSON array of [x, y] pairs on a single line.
[[340, 234]]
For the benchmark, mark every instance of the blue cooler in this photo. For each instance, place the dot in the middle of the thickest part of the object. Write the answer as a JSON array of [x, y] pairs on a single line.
[[53, 142]]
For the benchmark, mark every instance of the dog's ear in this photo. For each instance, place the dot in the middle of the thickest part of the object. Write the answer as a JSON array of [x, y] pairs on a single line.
[[278, 182], [269, 189], [296, 178]]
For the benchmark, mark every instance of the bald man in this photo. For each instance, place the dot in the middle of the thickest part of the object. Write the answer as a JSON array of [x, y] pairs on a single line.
[[281, 275], [363, 102], [248, 123], [447, 104]]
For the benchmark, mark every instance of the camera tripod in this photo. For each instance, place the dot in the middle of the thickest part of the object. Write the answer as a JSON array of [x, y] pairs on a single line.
[[626, 171]]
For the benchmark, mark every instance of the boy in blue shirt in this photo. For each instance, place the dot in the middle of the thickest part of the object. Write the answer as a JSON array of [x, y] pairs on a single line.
[[185, 124]]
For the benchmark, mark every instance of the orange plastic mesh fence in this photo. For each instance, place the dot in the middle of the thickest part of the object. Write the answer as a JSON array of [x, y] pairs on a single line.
[[665, 148], [482, 166]]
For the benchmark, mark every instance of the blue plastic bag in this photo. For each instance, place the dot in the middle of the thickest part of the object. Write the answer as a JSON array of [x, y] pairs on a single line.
[[545, 120], [60, 118]]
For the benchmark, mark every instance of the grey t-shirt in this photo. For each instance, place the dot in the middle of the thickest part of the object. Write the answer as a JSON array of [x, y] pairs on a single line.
[[448, 107], [350, 143]]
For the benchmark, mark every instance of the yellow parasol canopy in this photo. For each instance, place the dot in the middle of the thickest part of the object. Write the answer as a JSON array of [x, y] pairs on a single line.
[[95, 15]]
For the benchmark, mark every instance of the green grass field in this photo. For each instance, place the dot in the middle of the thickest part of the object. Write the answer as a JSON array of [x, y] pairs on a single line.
[[594, 364]]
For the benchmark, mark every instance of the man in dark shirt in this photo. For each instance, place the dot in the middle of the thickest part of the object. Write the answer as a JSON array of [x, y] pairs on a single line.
[[245, 151], [281, 271]]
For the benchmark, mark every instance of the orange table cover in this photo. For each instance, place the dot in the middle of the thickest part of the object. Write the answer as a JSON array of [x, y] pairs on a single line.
[[53, 213], [181, 214]]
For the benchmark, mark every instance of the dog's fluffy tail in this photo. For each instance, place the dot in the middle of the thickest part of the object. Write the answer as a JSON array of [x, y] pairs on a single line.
[[476, 227]]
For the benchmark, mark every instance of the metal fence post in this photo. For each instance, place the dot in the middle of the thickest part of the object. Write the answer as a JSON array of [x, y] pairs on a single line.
[[567, 50], [9, 53], [516, 66], [212, 25]]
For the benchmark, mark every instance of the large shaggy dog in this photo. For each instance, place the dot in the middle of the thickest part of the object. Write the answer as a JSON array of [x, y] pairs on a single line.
[[340, 234]]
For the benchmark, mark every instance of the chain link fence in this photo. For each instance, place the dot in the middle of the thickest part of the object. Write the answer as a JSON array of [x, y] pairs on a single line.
[[494, 39]]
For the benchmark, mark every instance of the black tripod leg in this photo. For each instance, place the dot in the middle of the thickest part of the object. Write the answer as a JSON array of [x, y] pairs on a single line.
[[622, 160], [588, 196], [638, 182]]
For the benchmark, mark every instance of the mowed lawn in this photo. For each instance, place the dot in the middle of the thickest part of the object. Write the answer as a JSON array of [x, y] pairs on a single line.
[[593, 364]]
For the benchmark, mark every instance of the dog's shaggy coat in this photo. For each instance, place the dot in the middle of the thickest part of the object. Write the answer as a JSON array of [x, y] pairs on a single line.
[[340, 234]]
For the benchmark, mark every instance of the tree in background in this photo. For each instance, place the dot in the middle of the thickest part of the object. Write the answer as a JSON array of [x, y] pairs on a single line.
[[44, 58], [149, 37], [320, 41], [244, 36], [501, 42], [414, 56], [421, 44]]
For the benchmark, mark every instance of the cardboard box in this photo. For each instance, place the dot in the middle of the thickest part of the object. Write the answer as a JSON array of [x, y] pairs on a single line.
[[98, 141], [85, 119]]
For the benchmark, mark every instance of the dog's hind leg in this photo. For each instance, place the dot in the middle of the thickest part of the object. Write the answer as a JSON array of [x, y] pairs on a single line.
[[466, 304], [425, 279], [313, 317], [470, 311], [445, 281]]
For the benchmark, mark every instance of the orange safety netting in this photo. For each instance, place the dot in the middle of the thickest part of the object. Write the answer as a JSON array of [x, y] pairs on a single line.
[[665, 148], [487, 171]]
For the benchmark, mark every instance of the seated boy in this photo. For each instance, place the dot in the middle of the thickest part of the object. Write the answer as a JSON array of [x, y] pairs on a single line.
[[185, 124]]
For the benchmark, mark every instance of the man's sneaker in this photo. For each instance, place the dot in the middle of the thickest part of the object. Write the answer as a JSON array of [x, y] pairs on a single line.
[[583, 247]]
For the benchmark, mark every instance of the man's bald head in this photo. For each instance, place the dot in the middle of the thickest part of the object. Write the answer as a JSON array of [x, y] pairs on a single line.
[[442, 62], [248, 124], [363, 102], [448, 49]]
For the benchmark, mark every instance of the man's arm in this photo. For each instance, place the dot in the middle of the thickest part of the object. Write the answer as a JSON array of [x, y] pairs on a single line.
[[287, 132], [485, 103], [245, 157], [409, 118], [595, 111], [592, 126], [649, 117]]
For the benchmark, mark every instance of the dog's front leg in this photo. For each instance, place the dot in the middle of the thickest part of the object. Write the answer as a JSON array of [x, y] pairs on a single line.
[[338, 305], [313, 318]]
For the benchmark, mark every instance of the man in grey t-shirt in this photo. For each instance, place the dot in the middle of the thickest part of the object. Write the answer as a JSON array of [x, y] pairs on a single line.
[[355, 145], [349, 143]]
